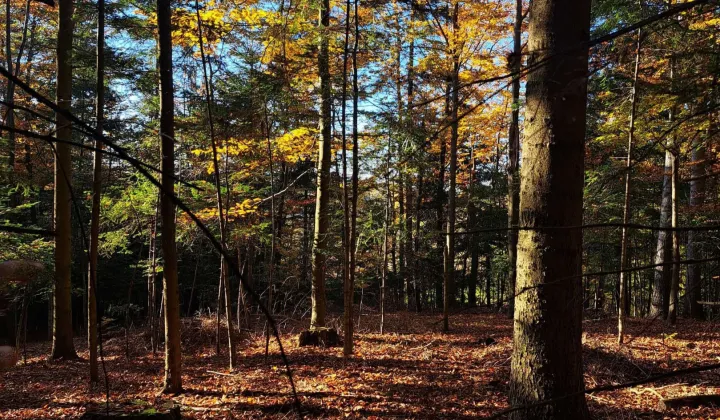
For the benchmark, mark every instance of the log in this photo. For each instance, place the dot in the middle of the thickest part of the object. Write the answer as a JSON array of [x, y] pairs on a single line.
[[690, 401], [146, 414], [322, 337]]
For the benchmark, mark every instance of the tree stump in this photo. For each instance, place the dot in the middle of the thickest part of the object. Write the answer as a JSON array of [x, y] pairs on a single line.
[[322, 337], [689, 401]]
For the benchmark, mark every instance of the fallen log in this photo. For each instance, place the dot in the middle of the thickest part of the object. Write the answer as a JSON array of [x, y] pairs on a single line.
[[690, 401], [146, 414]]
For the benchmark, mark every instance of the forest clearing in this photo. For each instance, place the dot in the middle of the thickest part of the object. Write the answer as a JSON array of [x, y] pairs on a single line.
[[411, 371], [355, 208]]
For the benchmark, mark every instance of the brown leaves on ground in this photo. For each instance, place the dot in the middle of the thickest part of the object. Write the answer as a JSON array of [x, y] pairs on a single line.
[[412, 371]]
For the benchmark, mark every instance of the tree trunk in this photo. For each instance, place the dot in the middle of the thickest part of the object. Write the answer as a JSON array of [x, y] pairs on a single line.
[[697, 199], [173, 368], [658, 304], [350, 290], [623, 279], [547, 348], [675, 280], [346, 238], [96, 193], [63, 346], [514, 156], [388, 204], [322, 199], [449, 264], [474, 254]]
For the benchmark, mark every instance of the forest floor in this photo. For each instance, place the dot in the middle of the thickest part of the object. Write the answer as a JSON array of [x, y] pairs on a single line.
[[412, 371]]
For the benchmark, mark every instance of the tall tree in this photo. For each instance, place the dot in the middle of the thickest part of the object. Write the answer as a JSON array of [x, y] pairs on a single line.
[[675, 279], [347, 234], [96, 193], [513, 169], [449, 265], [173, 367], [224, 282], [623, 280], [547, 348], [661, 279], [697, 198], [322, 198], [63, 346]]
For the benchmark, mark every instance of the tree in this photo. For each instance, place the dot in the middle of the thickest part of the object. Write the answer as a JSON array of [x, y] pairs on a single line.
[[63, 347], [623, 281], [322, 198], [173, 368], [697, 198], [514, 65], [547, 349], [96, 193], [449, 265]]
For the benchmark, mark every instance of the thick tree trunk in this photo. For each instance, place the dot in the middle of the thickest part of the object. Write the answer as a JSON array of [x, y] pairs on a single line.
[[322, 198], [63, 346], [173, 368], [96, 193], [623, 280], [547, 348], [514, 156]]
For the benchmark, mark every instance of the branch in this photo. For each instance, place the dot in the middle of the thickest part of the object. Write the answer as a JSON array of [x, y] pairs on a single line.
[[666, 375], [31, 231]]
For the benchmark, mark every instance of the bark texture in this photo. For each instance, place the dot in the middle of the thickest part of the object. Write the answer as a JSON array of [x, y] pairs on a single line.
[[63, 347], [173, 368], [547, 349]]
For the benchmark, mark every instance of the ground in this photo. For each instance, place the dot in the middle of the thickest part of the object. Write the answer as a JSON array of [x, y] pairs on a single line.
[[412, 371]]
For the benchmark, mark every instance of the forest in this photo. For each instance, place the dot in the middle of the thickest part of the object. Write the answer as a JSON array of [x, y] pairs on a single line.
[[360, 209]]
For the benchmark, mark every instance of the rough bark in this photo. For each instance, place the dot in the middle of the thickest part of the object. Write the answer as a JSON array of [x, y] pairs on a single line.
[[63, 346], [96, 193], [547, 348], [173, 368], [322, 198]]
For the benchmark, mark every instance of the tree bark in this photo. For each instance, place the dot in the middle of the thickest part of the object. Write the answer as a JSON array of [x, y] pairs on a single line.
[[96, 193], [322, 199], [173, 367], [547, 348], [63, 346], [675, 281]]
